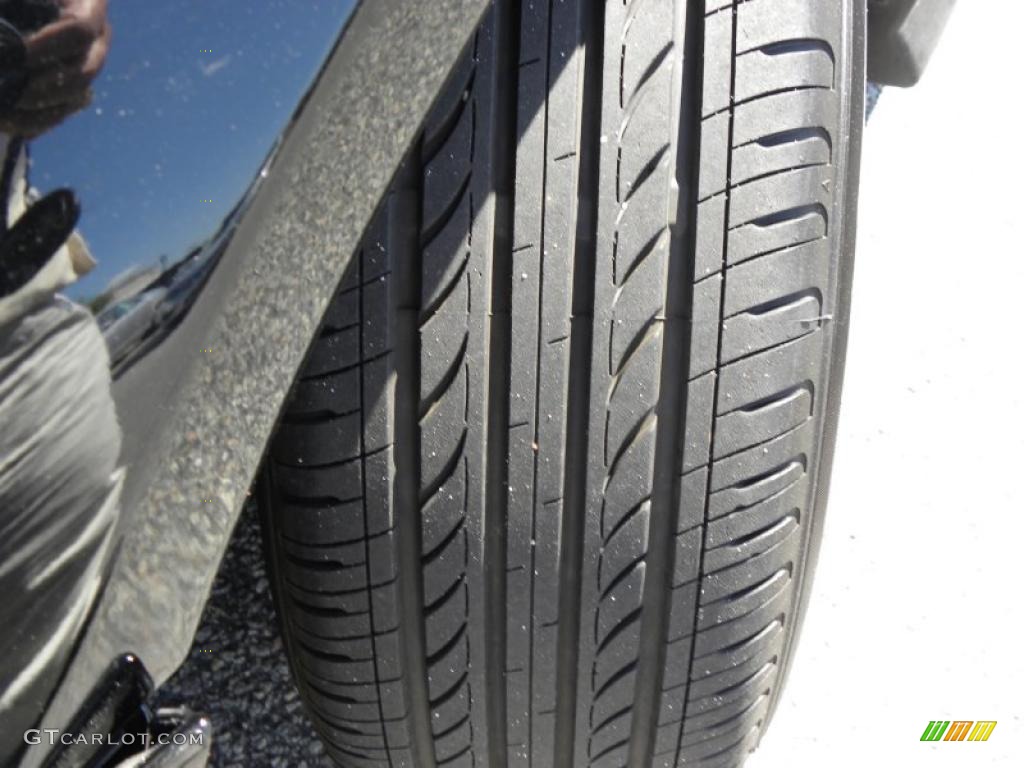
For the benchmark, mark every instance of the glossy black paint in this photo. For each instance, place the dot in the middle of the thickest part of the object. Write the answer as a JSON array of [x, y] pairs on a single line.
[[242, 282], [115, 707]]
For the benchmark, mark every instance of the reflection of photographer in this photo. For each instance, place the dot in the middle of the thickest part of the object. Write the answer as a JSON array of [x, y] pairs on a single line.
[[49, 55], [61, 58], [59, 437]]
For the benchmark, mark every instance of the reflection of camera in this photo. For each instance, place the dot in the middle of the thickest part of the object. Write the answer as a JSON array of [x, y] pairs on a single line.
[[18, 17], [28, 15]]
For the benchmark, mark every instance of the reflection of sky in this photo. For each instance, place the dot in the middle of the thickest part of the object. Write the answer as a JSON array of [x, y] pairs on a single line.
[[172, 125]]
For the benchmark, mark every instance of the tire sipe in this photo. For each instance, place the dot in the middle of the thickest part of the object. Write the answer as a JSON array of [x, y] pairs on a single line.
[[550, 485]]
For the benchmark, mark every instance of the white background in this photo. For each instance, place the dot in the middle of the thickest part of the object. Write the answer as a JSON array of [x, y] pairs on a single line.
[[916, 612]]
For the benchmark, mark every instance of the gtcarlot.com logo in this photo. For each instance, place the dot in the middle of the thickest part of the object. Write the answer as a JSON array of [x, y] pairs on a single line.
[[958, 730], [53, 737]]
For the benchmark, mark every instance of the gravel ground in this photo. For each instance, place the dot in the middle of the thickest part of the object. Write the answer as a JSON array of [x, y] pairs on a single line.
[[237, 672]]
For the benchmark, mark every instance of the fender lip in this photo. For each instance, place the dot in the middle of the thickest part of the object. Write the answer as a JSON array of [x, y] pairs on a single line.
[[260, 310]]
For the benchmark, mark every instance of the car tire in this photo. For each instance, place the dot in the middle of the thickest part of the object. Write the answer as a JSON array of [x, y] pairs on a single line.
[[549, 488]]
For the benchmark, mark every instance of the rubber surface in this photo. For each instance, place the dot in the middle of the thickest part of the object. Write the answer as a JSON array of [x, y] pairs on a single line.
[[543, 494]]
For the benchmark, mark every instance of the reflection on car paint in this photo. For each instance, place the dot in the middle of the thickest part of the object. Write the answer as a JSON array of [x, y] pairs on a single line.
[[124, 198]]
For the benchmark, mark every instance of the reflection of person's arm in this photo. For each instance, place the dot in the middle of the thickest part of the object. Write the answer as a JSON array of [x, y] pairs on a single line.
[[63, 58], [37, 259]]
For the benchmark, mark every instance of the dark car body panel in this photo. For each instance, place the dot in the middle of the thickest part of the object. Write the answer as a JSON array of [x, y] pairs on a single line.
[[902, 35], [197, 404]]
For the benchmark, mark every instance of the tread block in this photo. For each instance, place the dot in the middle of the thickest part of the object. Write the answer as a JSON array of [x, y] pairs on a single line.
[[768, 22], [750, 332], [753, 426], [759, 73], [791, 227], [764, 198], [748, 382], [781, 114], [790, 272]]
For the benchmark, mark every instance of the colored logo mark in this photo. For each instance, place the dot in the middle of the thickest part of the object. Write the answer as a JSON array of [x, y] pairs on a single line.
[[958, 730]]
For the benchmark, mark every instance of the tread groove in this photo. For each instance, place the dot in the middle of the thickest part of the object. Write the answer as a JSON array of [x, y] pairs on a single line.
[[581, 335], [718, 366], [499, 362]]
